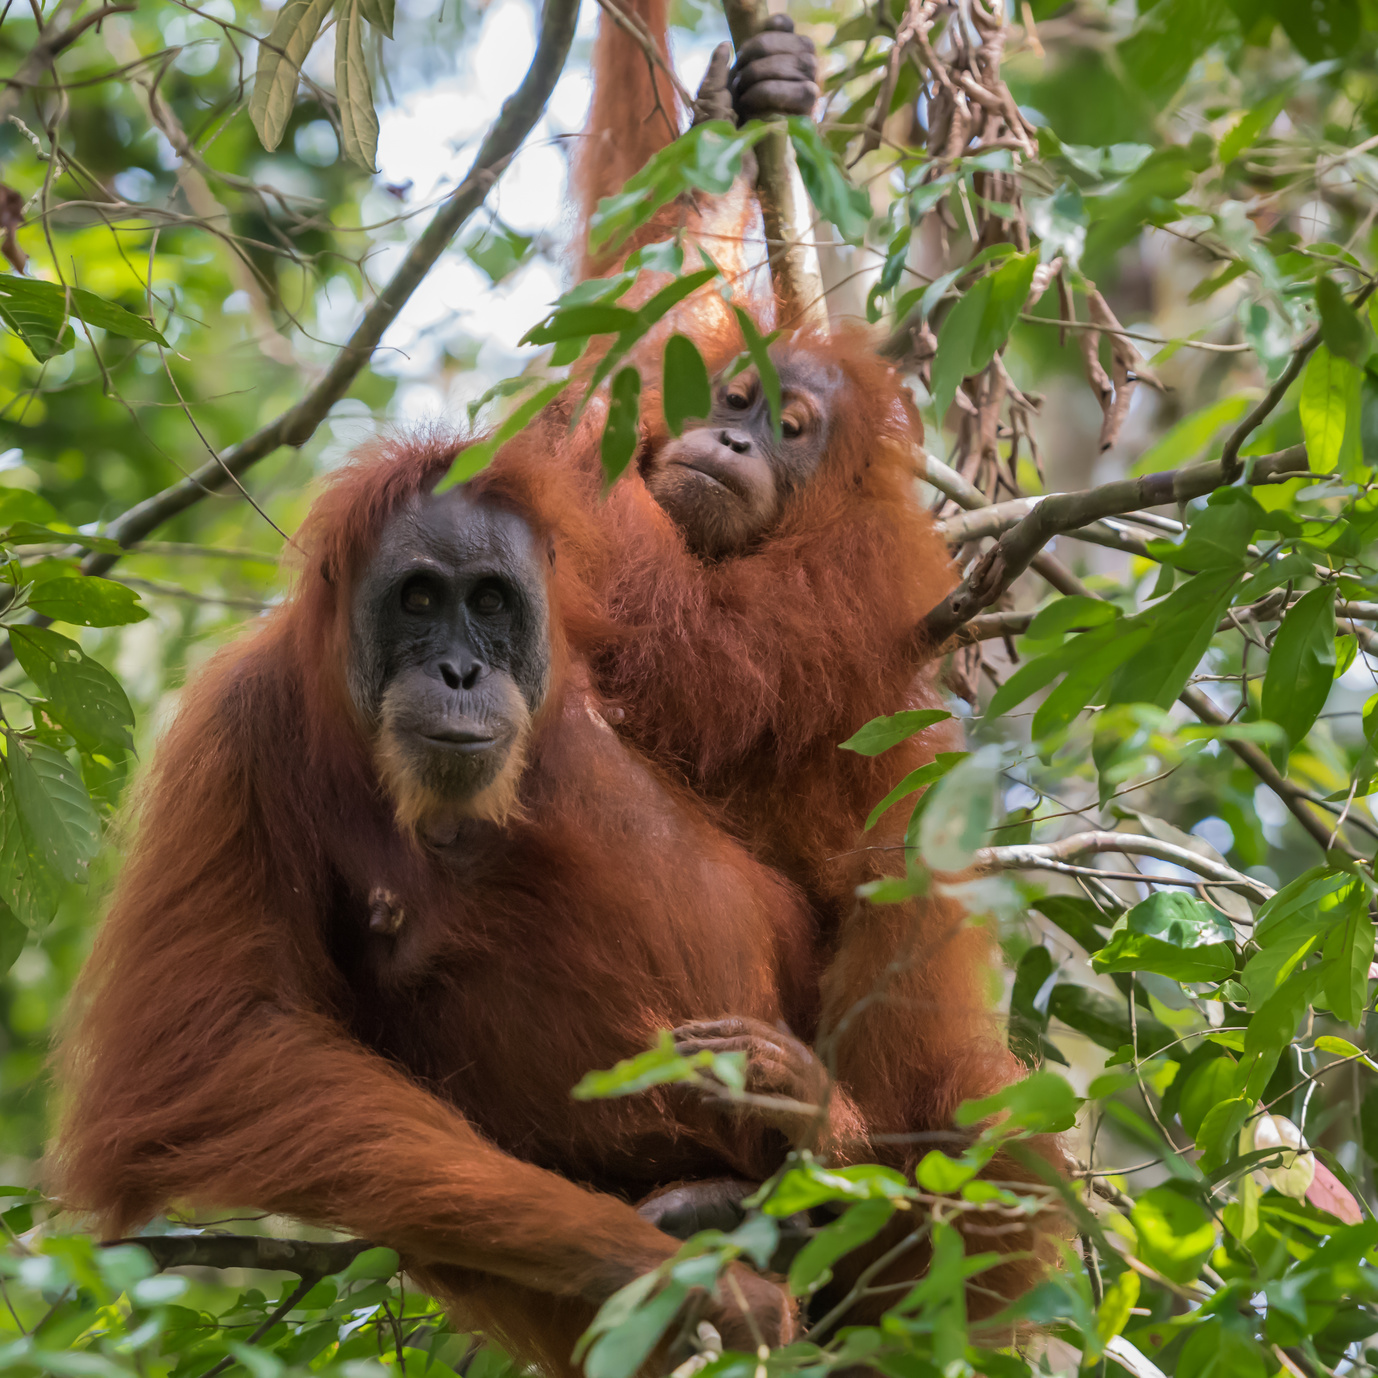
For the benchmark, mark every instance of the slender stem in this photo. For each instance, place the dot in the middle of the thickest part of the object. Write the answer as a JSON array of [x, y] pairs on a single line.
[[299, 422]]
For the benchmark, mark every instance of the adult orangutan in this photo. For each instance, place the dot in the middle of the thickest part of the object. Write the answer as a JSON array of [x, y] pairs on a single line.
[[768, 588], [396, 887]]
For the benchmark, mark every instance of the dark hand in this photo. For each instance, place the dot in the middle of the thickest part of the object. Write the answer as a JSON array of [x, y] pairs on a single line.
[[776, 73], [749, 1310], [684, 1210], [778, 1064]]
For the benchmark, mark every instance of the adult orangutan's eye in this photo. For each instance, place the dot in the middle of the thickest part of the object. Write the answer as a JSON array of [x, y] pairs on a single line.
[[418, 596], [487, 600]]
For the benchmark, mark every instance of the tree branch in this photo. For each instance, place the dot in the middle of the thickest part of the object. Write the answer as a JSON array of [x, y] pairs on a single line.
[[299, 423], [305, 1257], [1291, 795], [1038, 855], [793, 265], [51, 43], [1037, 521], [1115, 499]]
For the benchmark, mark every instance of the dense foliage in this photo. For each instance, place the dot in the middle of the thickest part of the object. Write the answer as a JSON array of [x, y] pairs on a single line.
[[1126, 255]]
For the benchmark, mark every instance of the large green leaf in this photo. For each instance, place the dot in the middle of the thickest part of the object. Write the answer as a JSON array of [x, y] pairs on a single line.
[[1301, 668], [1344, 333], [1105, 1020], [1173, 934], [1168, 39], [87, 601], [1329, 406], [48, 829], [280, 57], [880, 734], [1176, 1233], [358, 119], [686, 390], [38, 311], [1043, 1103], [1348, 954], [79, 693], [956, 336]]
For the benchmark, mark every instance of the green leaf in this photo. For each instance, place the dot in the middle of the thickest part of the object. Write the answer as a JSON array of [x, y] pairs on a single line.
[[1118, 1305], [806, 1184], [1174, 934], [913, 782], [707, 158], [686, 390], [576, 322], [379, 13], [621, 431], [498, 252], [372, 1263], [1329, 407], [1345, 335], [358, 119], [1301, 667], [1167, 40], [1105, 1020], [13, 936], [280, 57], [1179, 630], [475, 458], [80, 694], [848, 207], [87, 601], [1009, 290], [1075, 916], [1249, 126], [1208, 1086], [1192, 434], [962, 807], [757, 347], [1072, 612], [659, 1066], [880, 734], [1219, 1129], [48, 829], [858, 1224], [1176, 1234], [1059, 221], [937, 1172], [37, 311], [1042, 1103], [1348, 952], [1029, 1024], [1218, 536], [956, 336]]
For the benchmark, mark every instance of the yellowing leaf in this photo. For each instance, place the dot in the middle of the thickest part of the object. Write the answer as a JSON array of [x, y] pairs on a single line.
[[358, 119], [280, 57]]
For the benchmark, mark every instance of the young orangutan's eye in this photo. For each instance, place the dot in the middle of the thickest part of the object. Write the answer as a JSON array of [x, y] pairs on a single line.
[[791, 427]]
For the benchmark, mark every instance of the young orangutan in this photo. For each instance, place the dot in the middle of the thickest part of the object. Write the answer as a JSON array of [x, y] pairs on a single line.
[[767, 590]]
